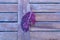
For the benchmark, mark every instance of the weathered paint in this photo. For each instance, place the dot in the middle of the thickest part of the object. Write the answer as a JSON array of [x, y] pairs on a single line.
[[45, 35], [8, 35], [22, 9], [8, 8], [44, 0], [45, 7], [47, 16]]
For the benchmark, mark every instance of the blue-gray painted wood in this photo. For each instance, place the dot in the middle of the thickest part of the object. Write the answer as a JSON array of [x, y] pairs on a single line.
[[45, 35], [44, 0], [47, 16], [22, 9], [8, 8], [8, 19], [8, 27], [8, 35], [8, 1], [45, 7], [8, 16]]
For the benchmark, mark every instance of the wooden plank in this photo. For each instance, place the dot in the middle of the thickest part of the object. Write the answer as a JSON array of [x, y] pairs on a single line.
[[8, 26], [8, 16], [8, 35], [47, 25], [8, 0], [23, 7], [8, 8], [46, 7], [47, 16], [44, 0], [45, 35], [37, 29]]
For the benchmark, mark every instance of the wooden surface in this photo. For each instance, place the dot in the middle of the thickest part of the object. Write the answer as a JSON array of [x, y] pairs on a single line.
[[8, 0], [48, 25], [47, 19], [9, 17], [45, 7], [8, 8], [8, 35], [47, 16], [8, 27], [44, 0], [45, 35]]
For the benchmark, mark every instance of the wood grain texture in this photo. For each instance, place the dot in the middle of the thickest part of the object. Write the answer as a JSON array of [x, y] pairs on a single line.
[[8, 26], [49, 20], [8, 35], [8, 16], [8, 31], [8, 7], [44, 0], [45, 35], [8, 0], [46, 7], [47, 16], [47, 25]]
